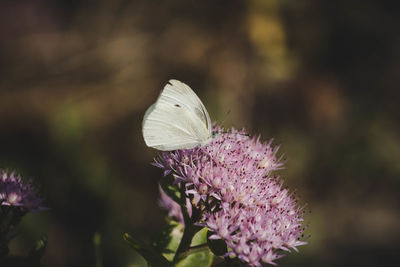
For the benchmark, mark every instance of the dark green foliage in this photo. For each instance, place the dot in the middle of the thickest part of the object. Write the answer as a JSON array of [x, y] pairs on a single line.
[[148, 252], [218, 246]]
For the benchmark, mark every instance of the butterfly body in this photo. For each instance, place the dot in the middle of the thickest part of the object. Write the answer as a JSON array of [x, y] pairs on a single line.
[[177, 120]]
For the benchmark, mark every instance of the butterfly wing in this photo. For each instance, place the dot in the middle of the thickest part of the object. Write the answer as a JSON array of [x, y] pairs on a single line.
[[178, 119], [182, 93]]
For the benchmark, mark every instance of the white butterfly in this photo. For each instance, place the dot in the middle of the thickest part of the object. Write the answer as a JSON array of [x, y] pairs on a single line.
[[177, 120]]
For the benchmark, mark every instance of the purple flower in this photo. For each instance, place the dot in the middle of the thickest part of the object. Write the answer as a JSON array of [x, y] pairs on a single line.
[[15, 193], [230, 181], [174, 210]]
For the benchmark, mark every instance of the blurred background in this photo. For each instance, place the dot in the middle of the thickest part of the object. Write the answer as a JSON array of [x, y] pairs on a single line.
[[320, 77]]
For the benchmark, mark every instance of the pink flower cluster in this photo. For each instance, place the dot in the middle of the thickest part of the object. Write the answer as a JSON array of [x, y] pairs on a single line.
[[231, 182], [15, 193]]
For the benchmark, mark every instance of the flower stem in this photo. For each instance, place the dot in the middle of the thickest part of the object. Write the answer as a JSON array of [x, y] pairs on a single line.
[[186, 240], [189, 231], [191, 250]]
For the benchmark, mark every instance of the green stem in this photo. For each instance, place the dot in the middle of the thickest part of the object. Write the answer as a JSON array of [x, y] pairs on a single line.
[[189, 231], [97, 250], [191, 250], [186, 240]]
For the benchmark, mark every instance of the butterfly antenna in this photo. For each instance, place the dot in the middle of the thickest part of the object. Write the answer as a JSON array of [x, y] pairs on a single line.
[[226, 116]]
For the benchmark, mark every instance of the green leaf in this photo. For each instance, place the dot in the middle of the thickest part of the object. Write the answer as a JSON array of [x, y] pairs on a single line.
[[147, 252], [230, 263], [175, 236], [198, 254], [217, 246], [162, 239], [167, 185], [200, 237], [36, 253]]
